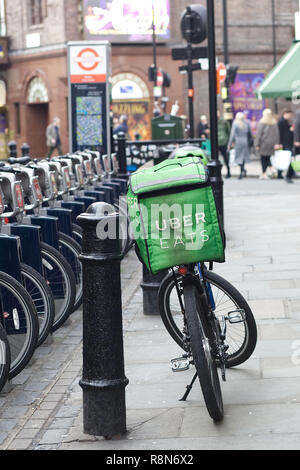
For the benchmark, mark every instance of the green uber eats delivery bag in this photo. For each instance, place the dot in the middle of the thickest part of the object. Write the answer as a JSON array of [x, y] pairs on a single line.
[[173, 215]]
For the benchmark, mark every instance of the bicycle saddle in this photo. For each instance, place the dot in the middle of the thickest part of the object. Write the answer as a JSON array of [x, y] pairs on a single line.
[[20, 161]]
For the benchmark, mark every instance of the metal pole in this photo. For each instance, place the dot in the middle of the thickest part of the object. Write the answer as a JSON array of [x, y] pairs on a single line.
[[103, 378], [156, 107], [227, 102], [274, 44], [121, 155], [215, 167]]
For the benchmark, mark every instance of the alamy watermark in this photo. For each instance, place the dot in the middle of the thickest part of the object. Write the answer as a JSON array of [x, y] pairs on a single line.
[[171, 226]]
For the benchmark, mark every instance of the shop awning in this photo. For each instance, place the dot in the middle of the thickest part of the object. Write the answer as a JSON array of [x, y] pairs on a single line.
[[284, 80]]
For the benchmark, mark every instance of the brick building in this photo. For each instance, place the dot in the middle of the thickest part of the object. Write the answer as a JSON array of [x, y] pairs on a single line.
[[33, 82]]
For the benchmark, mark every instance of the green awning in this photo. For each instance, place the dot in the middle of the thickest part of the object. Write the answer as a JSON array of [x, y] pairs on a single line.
[[284, 80]]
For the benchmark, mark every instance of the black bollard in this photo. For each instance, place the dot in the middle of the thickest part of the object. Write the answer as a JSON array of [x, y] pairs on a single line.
[[25, 150], [12, 146], [103, 381], [121, 155]]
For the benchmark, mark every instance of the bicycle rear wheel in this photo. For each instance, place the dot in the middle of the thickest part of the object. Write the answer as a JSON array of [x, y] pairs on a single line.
[[4, 357], [202, 355], [241, 337], [20, 321]]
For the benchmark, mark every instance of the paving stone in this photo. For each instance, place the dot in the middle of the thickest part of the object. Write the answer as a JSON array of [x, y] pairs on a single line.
[[41, 414], [34, 424], [53, 436], [243, 420], [62, 423], [27, 433], [267, 308], [20, 444], [14, 412]]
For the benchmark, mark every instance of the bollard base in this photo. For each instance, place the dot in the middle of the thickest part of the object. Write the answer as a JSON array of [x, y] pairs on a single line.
[[104, 412]]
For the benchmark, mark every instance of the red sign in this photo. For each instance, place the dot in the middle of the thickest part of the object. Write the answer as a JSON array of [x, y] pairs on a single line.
[[159, 78], [19, 196], [222, 71], [1, 205], [88, 59], [37, 188]]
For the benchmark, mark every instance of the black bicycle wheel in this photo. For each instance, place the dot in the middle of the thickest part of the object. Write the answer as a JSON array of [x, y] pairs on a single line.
[[71, 251], [77, 233], [20, 321], [202, 355], [42, 297], [240, 337], [61, 280], [4, 357]]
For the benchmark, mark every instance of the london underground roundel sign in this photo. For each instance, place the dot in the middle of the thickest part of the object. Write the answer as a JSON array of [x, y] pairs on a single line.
[[88, 59]]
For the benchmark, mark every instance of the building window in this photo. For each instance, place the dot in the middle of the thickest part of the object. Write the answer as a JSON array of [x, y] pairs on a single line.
[[35, 12], [17, 118]]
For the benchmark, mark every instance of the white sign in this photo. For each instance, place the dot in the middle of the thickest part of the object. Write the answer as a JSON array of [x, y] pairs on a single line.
[[88, 63]]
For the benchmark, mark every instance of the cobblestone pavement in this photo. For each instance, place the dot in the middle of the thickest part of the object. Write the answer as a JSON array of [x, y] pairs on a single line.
[[36, 413], [262, 397]]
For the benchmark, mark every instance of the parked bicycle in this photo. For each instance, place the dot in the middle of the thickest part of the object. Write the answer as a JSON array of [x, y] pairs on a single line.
[[176, 226]]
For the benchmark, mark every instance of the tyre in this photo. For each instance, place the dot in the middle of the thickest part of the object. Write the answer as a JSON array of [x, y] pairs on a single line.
[[61, 280], [202, 356], [4, 357], [240, 337], [20, 321], [42, 298], [77, 233], [71, 251]]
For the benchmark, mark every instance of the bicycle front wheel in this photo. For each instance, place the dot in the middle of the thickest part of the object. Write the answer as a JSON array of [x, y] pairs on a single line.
[[60, 278], [202, 355], [20, 321], [71, 251], [4, 357], [42, 298]]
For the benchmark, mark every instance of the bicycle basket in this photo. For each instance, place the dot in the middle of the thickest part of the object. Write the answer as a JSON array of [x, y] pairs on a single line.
[[173, 215]]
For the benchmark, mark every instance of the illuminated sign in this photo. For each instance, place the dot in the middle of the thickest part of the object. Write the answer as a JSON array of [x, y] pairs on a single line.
[[126, 20]]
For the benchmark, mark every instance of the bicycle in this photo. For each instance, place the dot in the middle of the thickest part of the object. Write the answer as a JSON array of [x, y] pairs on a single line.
[[176, 225]]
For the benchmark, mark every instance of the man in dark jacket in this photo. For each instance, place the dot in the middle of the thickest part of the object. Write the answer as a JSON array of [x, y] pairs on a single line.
[[286, 133], [224, 129], [290, 172]]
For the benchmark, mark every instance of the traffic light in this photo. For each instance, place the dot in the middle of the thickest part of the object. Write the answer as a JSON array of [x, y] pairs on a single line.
[[167, 80], [151, 73], [231, 73], [194, 24]]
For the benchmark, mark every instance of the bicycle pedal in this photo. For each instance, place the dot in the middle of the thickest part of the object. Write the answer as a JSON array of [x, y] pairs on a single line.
[[236, 316], [180, 364]]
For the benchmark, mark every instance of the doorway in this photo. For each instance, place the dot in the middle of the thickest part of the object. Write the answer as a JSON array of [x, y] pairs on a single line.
[[37, 116]]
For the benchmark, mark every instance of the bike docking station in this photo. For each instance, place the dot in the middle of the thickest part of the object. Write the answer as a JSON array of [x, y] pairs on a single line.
[[103, 379]]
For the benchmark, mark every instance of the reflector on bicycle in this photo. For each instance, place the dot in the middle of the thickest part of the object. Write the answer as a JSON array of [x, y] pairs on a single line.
[[173, 215]]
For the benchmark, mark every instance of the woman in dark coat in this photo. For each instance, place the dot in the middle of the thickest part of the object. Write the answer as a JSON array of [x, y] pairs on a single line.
[[241, 140]]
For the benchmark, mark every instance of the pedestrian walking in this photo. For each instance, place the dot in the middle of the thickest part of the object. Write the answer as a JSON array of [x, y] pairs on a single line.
[[53, 137], [286, 133], [241, 139], [122, 127], [203, 131], [290, 172], [267, 140], [223, 138]]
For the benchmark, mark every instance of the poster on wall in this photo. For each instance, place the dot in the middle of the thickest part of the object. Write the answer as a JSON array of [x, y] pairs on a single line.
[[139, 119], [244, 98], [126, 20], [89, 97]]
